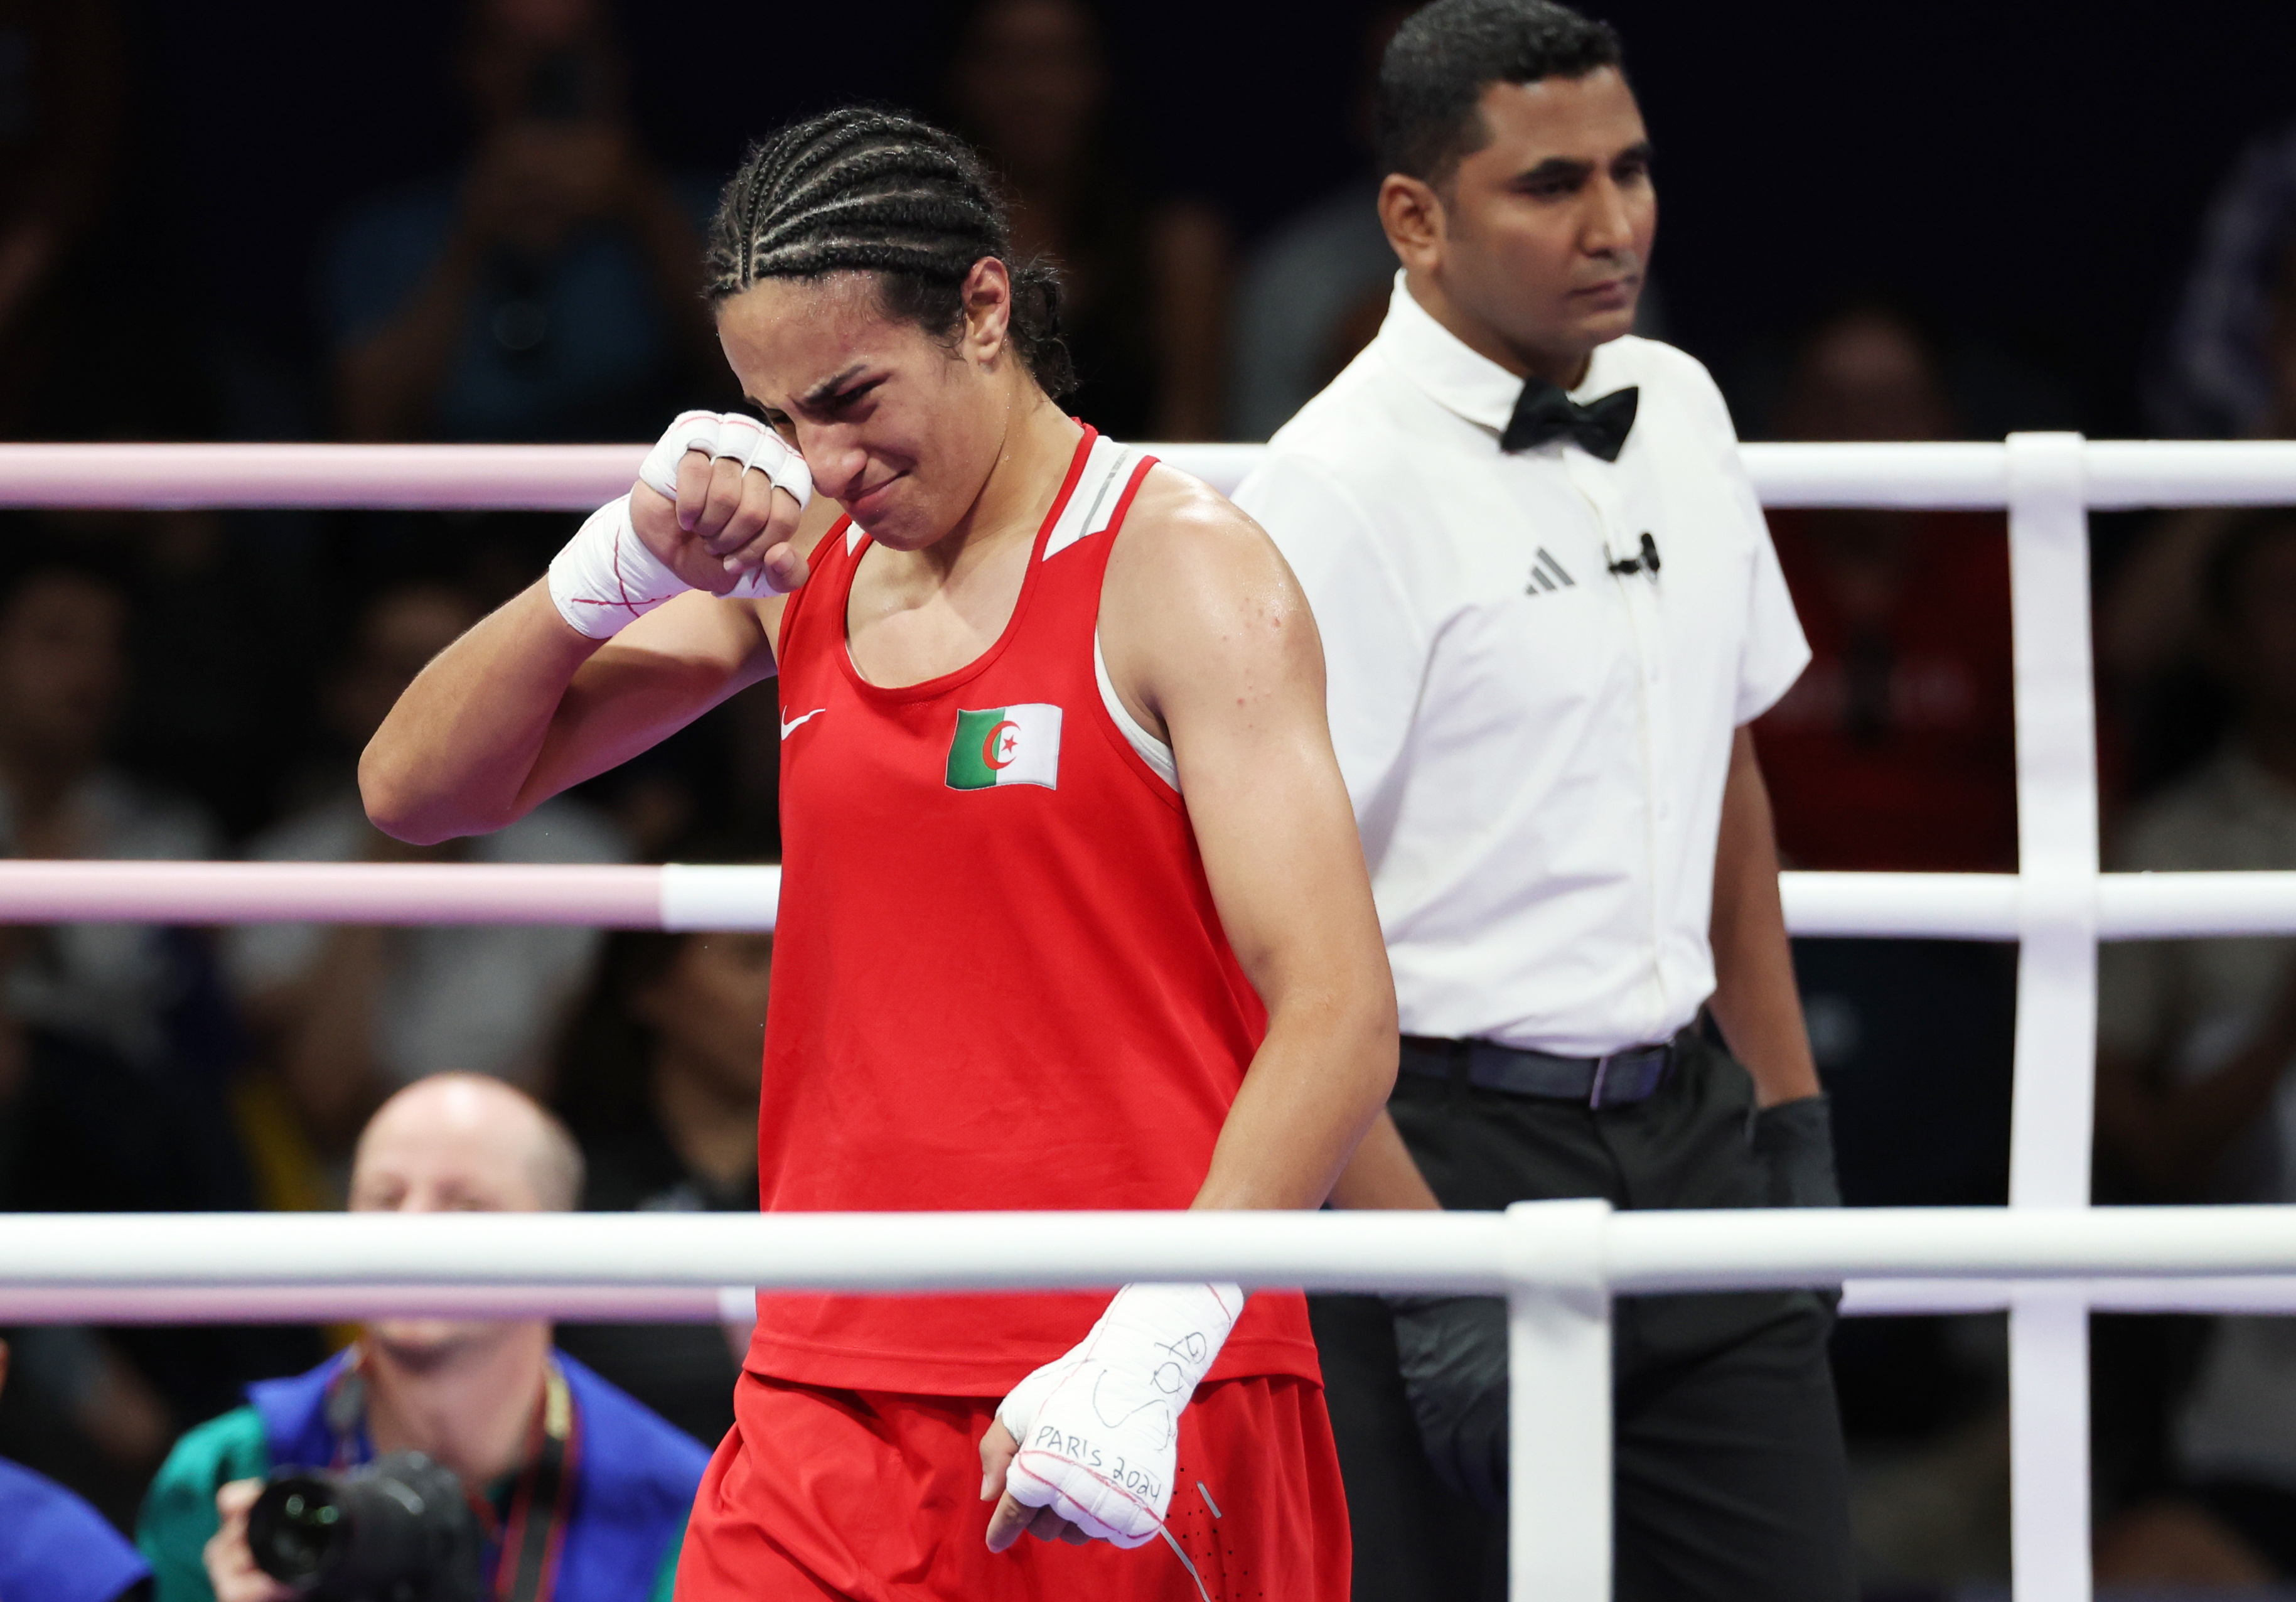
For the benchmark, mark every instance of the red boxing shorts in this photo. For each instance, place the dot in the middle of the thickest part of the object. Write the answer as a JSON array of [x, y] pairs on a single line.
[[818, 1495]]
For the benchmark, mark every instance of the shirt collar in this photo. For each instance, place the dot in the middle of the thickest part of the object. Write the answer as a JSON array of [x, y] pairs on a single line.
[[1458, 377]]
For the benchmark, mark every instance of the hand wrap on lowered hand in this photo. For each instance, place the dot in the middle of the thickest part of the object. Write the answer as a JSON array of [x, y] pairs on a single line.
[[607, 577], [1098, 1430], [1453, 1352]]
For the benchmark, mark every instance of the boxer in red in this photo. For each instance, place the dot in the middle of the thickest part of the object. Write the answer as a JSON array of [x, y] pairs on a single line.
[[1074, 914]]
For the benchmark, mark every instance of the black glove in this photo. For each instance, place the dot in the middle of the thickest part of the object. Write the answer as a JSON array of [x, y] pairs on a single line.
[[1794, 1139], [1453, 1353]]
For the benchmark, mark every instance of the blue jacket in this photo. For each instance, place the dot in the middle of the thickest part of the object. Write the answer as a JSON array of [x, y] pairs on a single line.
[[634, 1479], [54, 1547]]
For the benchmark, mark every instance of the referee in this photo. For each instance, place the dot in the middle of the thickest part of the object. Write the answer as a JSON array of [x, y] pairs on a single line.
[[1550, 607]]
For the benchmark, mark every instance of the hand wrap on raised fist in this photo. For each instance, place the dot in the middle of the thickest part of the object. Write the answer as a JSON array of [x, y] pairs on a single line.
[[607, 577], [1098, 1430], [719, 435]]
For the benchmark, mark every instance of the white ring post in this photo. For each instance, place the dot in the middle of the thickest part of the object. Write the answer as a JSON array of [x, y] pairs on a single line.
[[1558, 1402], [2052, 1109]]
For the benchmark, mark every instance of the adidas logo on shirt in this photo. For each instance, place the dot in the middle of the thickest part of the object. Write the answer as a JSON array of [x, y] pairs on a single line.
[[1547, 574]]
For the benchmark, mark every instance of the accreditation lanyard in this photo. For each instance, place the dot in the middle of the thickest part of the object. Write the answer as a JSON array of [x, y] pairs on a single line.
[[533, 1532]]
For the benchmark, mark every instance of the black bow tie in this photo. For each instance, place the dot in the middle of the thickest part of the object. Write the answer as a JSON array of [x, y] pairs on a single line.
[[1546, 413]]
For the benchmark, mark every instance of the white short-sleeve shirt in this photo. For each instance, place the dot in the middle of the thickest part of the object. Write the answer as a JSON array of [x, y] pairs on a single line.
[[1536, 746]]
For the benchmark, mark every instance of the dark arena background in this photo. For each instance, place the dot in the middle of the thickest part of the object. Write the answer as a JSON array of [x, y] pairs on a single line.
[[228, 221]]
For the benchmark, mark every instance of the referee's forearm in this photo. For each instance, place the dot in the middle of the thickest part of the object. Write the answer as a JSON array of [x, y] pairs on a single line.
[[1382, 1176], [1754, 998], [1759, 1012]]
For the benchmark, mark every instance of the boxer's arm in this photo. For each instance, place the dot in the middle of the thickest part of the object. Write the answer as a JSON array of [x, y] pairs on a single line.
[[524, 706], [528, 703], [1209, 644], [1209, 636]]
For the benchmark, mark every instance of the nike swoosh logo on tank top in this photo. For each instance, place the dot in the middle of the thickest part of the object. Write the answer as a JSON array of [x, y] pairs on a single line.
[[800, 721]]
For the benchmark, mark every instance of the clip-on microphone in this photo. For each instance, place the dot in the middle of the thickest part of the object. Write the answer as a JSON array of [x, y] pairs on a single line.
[[1646, 561]]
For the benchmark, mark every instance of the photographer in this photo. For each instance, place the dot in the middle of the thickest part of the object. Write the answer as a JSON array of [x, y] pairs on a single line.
[[595, 1487]]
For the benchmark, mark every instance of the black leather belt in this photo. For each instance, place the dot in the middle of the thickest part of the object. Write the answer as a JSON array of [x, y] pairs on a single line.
[[1617, 1080]]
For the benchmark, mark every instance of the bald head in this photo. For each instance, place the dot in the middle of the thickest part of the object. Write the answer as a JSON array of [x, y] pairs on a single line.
[[463, 1142]]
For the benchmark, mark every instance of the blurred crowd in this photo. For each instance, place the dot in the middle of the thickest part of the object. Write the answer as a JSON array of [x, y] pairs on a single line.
[[197, 684]]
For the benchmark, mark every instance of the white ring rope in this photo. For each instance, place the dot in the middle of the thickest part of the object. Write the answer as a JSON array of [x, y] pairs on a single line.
[[685, 896], [671, 896], [2119, 474], [1639, 1253], [2264, 1294], [667, 1267]]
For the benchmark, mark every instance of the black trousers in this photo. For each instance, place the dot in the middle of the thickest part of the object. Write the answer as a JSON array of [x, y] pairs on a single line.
[[1731, 1484]]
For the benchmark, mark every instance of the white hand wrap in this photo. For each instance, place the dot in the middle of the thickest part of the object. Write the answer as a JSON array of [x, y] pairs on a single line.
[[606, 577], [1099, 1429], [718, 435]]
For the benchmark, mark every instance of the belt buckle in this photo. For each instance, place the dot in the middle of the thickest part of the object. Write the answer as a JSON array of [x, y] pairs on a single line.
[[1594, 1100], [1602, 1074]]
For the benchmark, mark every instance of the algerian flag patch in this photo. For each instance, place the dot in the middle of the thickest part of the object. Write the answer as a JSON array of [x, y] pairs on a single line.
[[1007, 745]]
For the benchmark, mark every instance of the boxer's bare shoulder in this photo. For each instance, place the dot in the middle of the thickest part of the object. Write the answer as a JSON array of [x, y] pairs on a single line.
[[1199, 603]]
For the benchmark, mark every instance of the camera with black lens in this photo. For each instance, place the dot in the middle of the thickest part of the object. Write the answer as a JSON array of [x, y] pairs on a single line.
[[398, 1529]]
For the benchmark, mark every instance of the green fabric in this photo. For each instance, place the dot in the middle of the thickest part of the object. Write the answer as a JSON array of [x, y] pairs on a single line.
[[665, 1579], [179, 1510]]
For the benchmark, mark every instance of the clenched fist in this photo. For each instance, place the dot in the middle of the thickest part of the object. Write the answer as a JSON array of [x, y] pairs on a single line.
[[716, 504]]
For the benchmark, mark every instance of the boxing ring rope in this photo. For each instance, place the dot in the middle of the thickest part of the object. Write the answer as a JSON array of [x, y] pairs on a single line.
[[2048, 1257], [2119, 476], [687, 896]]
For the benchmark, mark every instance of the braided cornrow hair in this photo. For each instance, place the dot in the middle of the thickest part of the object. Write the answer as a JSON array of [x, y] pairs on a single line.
[[857, 190]]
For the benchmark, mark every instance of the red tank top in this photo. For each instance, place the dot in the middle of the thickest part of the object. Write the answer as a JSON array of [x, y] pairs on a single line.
[[999, 980]]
